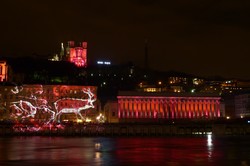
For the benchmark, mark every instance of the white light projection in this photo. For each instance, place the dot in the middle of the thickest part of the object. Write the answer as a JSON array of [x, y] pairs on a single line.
[[28, 106], [15, 90], [74, 105]]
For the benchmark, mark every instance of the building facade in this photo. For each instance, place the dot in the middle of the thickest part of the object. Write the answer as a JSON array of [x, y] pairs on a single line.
[[48, 103], [110, 112], [242, 105], [3, 71], [77, 54], [138, 105]]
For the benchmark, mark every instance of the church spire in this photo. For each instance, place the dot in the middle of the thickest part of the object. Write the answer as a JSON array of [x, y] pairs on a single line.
[[62, 52]]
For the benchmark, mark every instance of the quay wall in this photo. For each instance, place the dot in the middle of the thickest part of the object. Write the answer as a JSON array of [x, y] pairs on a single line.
[[135, 130]]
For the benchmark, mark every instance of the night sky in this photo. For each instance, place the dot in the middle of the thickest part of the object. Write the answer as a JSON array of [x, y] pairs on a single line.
[[202, 37]]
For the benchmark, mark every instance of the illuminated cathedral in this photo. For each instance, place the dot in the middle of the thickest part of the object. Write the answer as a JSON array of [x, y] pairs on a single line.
[[76, 54]]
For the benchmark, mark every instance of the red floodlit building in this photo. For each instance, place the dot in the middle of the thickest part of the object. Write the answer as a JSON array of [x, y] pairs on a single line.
[[76, 54], [3, 71], [48, 102], [141, 105]]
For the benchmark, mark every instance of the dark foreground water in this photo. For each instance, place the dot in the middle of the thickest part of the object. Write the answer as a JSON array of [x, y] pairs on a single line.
[[174, 151]]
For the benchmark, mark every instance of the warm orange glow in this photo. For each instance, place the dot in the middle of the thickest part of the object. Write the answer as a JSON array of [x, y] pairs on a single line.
[[3, 71]]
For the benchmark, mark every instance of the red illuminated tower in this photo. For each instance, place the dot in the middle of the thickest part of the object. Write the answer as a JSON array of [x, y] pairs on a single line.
[[78, 54]]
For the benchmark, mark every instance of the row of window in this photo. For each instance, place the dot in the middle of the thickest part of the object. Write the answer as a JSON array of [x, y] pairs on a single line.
[[129, 114], [161, 106], [170, 100]]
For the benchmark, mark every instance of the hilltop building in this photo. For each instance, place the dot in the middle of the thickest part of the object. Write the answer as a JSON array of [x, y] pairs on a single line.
[[76, 54]]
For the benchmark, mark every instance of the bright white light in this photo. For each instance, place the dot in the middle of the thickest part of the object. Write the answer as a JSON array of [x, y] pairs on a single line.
[[100, 118], [97, 146], [79, 121], [107, 63], [88, 120], [209, 145], [103, 62]]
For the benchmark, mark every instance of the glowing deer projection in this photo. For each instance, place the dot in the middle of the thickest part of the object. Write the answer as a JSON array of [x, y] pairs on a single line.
[[70, 105], [26, 109], [29, 106]]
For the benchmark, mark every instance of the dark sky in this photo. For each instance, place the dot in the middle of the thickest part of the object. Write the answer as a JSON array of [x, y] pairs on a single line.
[[203, 37]]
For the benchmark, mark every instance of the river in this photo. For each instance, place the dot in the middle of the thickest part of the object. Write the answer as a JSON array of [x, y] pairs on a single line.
[[129, 151]]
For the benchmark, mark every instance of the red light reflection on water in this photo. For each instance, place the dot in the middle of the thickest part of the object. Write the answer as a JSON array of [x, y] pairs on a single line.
[[129, 151], [167, 151]]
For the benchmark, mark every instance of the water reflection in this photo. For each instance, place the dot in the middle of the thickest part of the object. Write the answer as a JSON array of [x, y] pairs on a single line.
[[209, 146], [205, 150], [98, 154]]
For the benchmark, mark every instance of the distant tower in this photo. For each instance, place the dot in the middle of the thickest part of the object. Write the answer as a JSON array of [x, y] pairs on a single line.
[[146, 55], [84, 53], [62, 52], [67, 51], [78, 54]]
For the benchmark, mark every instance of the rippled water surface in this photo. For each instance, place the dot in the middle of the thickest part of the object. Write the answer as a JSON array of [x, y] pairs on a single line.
[[174, 151]]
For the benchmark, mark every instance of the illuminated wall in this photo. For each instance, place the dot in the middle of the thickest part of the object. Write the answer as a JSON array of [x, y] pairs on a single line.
[[3, 71], [168, 107], [77, 55], [48, 103]]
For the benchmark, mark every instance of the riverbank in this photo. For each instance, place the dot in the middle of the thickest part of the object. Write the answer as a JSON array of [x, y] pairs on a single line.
[[131, 129]]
